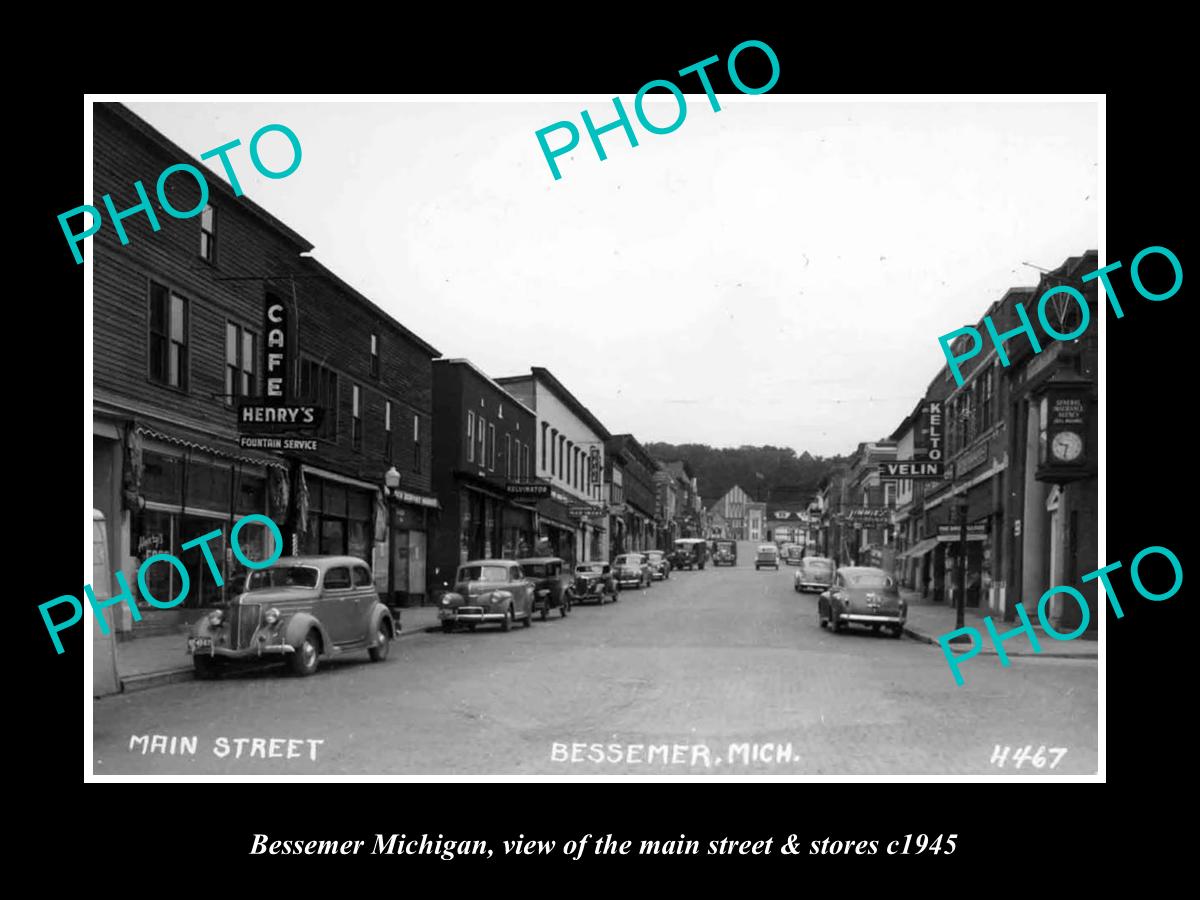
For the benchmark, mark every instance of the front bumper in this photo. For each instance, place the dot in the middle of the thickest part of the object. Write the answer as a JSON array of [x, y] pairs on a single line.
[[865, 619], [812, 586], [256, 650], [470, 615], [629, 579]]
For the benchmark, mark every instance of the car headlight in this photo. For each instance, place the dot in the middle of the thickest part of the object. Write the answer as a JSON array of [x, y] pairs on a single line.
[[216, 617], [543, 593], [271, 616], [445, 601]]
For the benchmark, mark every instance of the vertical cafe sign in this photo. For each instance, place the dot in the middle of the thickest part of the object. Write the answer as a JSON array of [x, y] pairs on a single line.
[[276, 352]]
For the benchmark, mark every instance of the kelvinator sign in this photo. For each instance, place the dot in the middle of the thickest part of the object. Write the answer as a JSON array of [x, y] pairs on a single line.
[[532, 490]]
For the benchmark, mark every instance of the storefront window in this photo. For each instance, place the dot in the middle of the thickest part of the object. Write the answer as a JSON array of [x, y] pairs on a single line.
[[162, 477], [207, 485], [251, 495]]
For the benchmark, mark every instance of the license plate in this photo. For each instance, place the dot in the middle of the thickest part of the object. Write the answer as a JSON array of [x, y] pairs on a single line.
[[202, 643]]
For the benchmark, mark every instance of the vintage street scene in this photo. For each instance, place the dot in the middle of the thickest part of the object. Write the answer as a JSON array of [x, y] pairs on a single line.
[[756, 451]]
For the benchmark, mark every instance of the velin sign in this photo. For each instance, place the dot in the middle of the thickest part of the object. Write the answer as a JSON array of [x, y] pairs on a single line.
[[911, 468]]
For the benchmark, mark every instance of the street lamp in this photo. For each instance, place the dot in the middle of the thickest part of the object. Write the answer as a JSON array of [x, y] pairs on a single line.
[[961, 507], [391, 480]]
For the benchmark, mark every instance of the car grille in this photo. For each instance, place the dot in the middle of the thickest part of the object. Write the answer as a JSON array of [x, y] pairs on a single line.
[[245, 623]]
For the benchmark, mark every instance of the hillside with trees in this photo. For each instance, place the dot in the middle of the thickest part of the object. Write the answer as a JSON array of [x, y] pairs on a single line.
[[756, 469]]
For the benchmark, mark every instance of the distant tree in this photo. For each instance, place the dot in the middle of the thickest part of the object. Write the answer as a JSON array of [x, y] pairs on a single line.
[[757, 470]]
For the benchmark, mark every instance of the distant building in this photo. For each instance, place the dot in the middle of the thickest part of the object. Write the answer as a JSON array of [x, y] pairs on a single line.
[[732, 508]]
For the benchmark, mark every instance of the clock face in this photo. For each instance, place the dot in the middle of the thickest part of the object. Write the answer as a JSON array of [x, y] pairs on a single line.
[[1067, 446]]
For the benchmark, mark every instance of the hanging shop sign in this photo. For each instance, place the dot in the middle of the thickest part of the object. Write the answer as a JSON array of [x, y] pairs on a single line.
[[527, 489], [911, 468]]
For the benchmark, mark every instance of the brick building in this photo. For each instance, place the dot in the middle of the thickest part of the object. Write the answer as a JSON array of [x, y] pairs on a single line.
[[484, 441], [180, 324]]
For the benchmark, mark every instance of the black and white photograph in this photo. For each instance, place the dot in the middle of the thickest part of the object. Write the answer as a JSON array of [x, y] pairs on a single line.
[[703, 434]]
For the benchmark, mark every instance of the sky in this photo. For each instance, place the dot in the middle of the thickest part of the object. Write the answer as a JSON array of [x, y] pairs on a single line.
[[777, 272]]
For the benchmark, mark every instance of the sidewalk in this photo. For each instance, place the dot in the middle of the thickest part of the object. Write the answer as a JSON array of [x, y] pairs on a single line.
[[928, 621], [144, 662]]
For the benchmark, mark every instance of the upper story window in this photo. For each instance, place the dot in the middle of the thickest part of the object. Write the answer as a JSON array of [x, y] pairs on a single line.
[[356, 429], [208, 234], [470, 436], [374, 356], [387, 430], [416, 443], [492, 447], [319, 385], [508, 455], [240, 353], [481, 441], [525, 461], [168, 337], [544, 427]]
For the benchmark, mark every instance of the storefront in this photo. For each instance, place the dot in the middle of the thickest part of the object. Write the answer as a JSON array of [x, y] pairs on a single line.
[[517, 536], [179, 489], [557, 532], [336, 514]]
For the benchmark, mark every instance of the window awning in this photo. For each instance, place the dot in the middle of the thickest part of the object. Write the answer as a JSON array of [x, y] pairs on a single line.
[[919, 549]]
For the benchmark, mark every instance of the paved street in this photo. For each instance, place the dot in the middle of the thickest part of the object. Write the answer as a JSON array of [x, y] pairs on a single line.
[[706, 660]]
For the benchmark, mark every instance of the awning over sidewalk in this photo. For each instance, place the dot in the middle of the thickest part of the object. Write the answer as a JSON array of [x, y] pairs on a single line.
[[919, 549]]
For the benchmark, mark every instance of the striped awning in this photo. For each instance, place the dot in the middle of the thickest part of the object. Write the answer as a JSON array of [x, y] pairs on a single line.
[[226, 453]]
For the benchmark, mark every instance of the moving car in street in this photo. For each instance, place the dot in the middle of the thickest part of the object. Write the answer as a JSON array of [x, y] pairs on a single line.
[[593, 581], [793, 553], [766, 555], [690, 553], [550, 583], [488, 590], [725, 553], [815, 574], [862, 595], [660, 566], [632, 570], [302, 609]]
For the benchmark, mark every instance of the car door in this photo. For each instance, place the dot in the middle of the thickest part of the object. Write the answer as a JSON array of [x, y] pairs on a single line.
[[337, 606], [522, 589], [364, 600]]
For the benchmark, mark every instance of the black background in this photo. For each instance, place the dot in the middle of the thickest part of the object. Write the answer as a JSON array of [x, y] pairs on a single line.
[[185, 828]]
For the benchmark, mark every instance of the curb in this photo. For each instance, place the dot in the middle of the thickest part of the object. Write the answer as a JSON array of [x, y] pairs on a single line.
[[144, 680], [926, 639]]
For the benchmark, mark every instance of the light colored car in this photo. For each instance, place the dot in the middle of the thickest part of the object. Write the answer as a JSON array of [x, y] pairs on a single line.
[[814, 574], [632, 570], [488, 591], [302, 609], [766, 555], [863, 595]]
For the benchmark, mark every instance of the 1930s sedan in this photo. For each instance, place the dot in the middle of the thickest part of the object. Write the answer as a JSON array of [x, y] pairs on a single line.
[[815, 573], [632, 570], [862, 595], [660, 565], [725, 553], [302, 609], [550, 583], [593, 581], [488, 590]]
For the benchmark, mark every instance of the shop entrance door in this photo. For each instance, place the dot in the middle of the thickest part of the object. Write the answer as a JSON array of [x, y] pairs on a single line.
[[416, 563], [202, 588]]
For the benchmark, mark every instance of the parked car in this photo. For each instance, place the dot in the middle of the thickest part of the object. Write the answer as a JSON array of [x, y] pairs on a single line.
[[488, 590], [593, 581], [632, 570], [690, 553], [766, 555], [550, 580], [725, 553], [863, 595], [660, 566], [302, 609], [793, 553], [814, 573]]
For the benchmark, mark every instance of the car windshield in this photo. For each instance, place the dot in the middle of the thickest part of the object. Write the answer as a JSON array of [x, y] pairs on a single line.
[[283, 576], [867, 580], [483, 573], [818, 565], [654, 557], [595, 569], [629, 559], [536, 570], [766, 548], [725, 545]]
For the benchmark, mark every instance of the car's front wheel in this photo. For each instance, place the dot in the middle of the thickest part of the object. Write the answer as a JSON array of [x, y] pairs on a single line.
[[506, 623], [304, 660], [447, 627], [527, 622], [379, 652]]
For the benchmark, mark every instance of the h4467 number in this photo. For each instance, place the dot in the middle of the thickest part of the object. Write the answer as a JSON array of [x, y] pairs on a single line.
[[1026, 754]]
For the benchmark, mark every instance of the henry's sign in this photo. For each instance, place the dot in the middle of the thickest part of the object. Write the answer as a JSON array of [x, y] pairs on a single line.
[[255, 415], [911, 468]]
